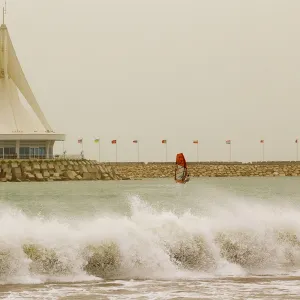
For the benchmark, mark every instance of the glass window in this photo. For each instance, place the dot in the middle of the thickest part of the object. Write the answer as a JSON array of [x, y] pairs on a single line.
[[42, 152], [24, 152], [31, 152], [9, 152]]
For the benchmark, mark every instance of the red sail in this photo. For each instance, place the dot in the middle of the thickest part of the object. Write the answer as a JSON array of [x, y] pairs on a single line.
[[180, 160]]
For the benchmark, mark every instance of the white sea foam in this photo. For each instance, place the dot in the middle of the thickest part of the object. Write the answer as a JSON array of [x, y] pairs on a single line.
[[235, 239]]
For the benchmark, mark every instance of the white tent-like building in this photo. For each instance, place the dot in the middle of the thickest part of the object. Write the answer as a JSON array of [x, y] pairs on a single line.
[[24, 130]]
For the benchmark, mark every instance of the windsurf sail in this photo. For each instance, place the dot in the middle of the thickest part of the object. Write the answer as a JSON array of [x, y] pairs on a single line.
[[180, 169]]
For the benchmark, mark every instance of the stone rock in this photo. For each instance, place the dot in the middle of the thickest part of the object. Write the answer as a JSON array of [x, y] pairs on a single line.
[[8, 177], [50, 166], [86, 176], [36, 166], [27, 169], [89, 169], [46, 174], [56, 177], [83, 169], [44, 166], [29, 176], [7, 170], [70, 175], [57, 169], [105, 176], [39, 177], [93, 176], [16, 174]]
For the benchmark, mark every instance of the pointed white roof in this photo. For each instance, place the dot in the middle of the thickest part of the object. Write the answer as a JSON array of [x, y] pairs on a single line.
[[17, 118]]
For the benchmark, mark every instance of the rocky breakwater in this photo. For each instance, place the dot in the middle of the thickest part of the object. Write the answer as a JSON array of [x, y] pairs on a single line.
[[55, 170], [210, 169]]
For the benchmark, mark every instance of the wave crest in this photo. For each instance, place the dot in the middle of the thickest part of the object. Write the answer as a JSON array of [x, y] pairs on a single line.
[[148, 244]]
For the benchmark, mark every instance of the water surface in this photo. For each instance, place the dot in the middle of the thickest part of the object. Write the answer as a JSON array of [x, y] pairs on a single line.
[[213, 238]]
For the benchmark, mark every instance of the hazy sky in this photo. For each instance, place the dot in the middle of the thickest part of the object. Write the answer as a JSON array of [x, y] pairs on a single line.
[[164, 69]]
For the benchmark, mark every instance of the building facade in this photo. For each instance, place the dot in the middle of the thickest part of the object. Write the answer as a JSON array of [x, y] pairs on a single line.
[[24, 130]]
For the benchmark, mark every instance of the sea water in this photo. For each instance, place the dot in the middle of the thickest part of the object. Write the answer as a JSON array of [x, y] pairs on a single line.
[[213, 238]]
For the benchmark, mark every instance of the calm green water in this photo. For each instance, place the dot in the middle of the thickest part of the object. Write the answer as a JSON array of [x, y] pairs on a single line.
[[213, 238]]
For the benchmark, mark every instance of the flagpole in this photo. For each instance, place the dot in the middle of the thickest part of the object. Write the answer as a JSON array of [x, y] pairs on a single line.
[[197, 151], [116, 151], [82, 155], [297, 149], [166, 151], [99, 150], [263, 151], [230, 151], [138, 150]]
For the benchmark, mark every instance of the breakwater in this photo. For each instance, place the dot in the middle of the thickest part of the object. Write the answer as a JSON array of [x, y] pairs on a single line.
[[209, 169], [55, 170], [77, 169]]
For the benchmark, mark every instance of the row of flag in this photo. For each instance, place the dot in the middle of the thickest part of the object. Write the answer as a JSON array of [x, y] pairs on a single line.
[[261, 141], [228, 142], [80, 141]]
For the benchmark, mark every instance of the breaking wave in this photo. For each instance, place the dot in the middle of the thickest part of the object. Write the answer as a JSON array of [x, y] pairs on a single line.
[[239, 239]]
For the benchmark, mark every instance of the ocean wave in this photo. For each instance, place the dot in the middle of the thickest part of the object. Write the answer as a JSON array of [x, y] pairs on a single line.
[[150, 244]]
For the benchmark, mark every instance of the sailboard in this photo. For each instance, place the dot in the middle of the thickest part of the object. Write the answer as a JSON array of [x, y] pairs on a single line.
[[181, 175]]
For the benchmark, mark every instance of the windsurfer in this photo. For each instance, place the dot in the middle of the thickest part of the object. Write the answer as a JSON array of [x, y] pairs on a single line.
[[181, 175]]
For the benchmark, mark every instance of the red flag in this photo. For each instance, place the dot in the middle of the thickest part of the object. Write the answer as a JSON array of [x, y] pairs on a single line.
[[164, 141], [195, 142], [114, 141], [80, 141], [262, 141], [228, 142], [135, 141]]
